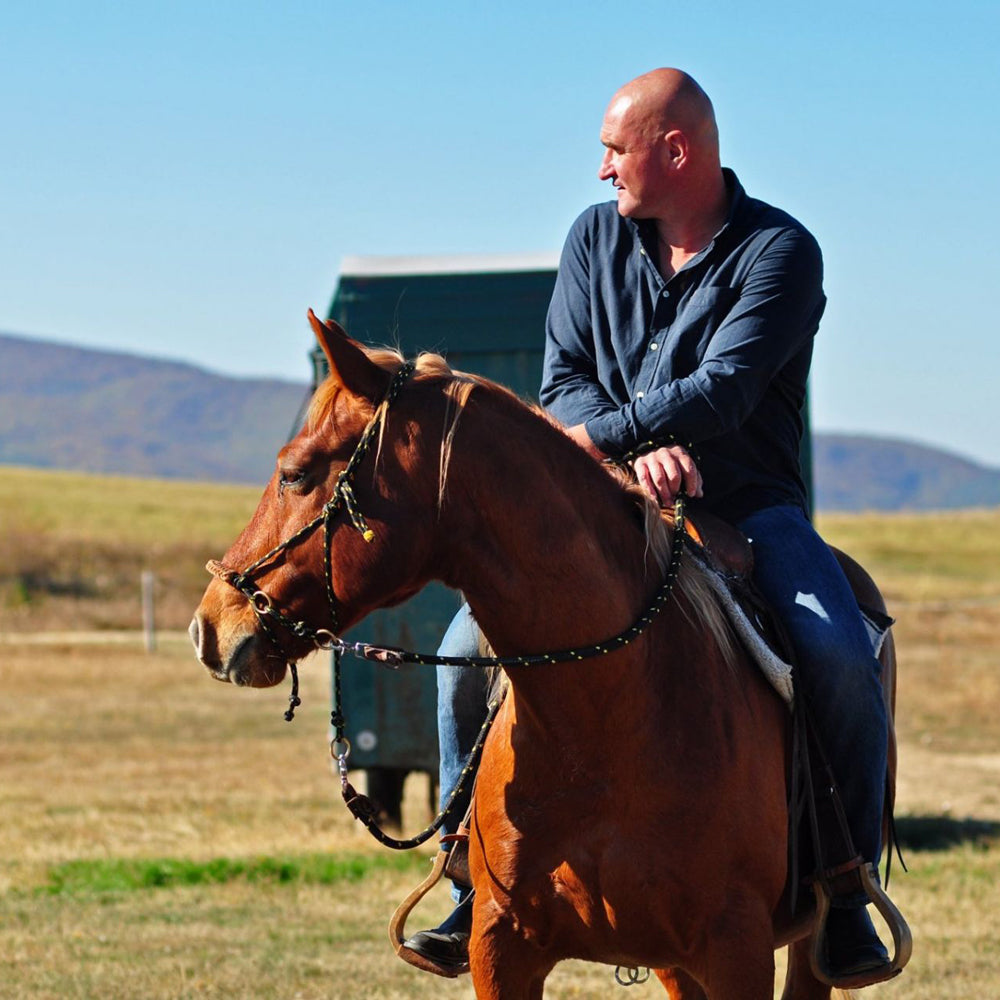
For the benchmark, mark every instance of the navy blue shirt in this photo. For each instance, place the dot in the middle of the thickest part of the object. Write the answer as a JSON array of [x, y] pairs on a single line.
[[717, 356]]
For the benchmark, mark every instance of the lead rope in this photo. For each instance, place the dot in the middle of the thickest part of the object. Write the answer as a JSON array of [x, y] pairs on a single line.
[[362, 807]]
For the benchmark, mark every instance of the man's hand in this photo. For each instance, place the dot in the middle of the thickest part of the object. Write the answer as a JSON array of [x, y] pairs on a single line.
[[663, 472], [579, 434]]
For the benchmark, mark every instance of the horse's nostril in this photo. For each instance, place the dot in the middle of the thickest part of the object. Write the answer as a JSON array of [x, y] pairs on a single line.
[[195, 632]]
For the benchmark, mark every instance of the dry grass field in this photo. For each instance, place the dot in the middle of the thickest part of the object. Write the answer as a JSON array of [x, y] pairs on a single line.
[[166, 836]]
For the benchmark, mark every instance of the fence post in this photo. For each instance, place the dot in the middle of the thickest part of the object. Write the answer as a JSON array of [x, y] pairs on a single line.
[[148, 623]]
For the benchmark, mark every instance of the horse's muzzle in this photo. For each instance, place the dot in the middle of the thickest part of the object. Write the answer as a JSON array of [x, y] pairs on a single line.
[[238, 656]]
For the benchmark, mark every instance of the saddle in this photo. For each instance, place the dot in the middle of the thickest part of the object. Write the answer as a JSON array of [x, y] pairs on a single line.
[[726, 548]]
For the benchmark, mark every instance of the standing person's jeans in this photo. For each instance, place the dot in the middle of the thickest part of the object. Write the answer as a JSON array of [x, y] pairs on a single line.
[[461, 694], [837, 670]]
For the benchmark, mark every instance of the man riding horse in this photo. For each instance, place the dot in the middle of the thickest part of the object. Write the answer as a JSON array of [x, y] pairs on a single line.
[[679, 338]]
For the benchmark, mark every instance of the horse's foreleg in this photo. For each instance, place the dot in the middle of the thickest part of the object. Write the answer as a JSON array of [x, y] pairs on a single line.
[[800, 983], [679, 985], [738, 958], [503, 964], [505, 979]]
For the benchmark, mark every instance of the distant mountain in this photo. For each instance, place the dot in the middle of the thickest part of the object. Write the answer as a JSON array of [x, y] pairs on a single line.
[[855, 472], [67, 407]]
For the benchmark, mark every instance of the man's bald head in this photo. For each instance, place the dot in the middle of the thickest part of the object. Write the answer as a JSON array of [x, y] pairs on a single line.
[[661, 153], [664, 100]]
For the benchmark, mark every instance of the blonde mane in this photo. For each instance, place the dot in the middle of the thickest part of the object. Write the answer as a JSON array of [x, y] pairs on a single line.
[[700, 605]]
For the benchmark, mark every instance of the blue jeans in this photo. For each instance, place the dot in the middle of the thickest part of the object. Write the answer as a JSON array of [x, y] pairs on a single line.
[[462, 696], [837, 669]]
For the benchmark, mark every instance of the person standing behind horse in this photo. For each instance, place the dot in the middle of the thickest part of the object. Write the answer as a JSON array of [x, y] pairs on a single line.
[[680, 331]]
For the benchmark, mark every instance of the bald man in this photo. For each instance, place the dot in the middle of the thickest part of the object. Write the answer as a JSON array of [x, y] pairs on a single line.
[[681, 328]]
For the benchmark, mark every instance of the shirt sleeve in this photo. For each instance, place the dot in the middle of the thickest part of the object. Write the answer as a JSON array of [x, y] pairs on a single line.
[[774, 316], [571, 389]]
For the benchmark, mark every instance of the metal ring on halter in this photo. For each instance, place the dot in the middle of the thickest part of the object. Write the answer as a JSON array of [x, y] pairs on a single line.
[[325, 639], [262, 601]]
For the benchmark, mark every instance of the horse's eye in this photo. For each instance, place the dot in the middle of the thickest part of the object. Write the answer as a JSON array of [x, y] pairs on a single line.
[[291, 478]]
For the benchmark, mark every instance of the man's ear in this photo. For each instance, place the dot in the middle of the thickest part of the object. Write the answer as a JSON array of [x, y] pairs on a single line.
[[677, 146]]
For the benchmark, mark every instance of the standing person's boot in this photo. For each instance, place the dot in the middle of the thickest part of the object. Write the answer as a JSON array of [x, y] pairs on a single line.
[[447, 945]]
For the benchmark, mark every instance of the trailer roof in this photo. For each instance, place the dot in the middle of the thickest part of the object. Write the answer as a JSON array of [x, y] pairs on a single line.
[[471, 263]]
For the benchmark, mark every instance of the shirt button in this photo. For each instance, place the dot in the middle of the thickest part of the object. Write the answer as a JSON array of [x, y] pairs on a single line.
[[642, 251], [665, 294], [639, 395], [653, 346]]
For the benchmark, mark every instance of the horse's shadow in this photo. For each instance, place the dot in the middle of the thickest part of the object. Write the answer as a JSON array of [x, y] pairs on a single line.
[[942, 833]]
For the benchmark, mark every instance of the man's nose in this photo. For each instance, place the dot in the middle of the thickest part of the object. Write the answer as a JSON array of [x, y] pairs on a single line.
[[606, 171]]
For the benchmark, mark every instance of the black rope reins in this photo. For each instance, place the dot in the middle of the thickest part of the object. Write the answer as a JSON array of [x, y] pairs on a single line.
[[268, 613], [361, 806], [393, 657]]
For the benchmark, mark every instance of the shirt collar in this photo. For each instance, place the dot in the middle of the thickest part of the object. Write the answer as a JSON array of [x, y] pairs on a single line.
[[737, 197], [646, 228]]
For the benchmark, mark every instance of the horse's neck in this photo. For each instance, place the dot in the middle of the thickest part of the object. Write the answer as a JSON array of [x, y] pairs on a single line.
[[551, 555]]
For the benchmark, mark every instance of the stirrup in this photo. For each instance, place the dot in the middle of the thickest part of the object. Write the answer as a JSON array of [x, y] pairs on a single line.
[[902, 939], [397, 925]]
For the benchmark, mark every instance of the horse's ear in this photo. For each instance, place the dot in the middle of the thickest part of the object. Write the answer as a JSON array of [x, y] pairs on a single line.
[[349, 364]]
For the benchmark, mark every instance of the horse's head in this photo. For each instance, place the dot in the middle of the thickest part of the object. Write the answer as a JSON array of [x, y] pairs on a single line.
[[342, 528]]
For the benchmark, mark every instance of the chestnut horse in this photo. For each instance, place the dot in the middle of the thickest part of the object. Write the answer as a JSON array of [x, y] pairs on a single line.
[[630, 809]]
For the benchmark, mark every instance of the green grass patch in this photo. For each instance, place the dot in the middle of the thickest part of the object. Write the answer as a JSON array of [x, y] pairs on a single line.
[[135, 874]]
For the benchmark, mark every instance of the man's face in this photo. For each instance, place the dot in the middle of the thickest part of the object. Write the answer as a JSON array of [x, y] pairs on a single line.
[[634, 161]]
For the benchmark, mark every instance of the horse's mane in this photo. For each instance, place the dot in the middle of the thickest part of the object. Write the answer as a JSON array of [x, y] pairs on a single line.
[[457, 387]]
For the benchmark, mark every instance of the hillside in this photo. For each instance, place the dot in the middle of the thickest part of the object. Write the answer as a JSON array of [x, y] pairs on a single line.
[[65, 407], [854, 472], [71, 408]]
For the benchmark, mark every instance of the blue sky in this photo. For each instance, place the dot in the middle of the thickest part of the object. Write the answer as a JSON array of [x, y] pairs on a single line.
[[182, 180]]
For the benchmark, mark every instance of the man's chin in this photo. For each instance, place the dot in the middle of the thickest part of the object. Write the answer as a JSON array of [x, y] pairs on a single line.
[[628, 208], [633, 212]]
